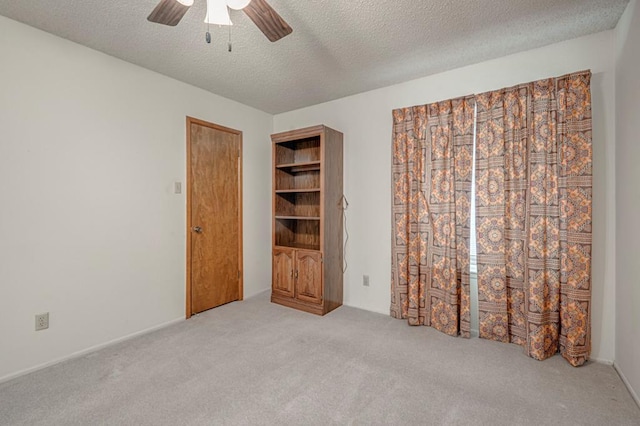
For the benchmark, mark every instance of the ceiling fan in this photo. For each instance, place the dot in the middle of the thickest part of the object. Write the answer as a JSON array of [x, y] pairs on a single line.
[[170, 12]]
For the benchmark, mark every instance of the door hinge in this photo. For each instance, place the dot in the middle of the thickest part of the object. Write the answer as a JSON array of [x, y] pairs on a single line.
[[238, 274]]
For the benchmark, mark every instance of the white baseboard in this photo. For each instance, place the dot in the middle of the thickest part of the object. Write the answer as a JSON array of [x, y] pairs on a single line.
[[376, 311], [88, 350], [633, 393], [601, 361]]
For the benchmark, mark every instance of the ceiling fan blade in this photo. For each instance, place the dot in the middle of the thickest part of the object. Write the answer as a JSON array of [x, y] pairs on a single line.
[[169, 12], [267, 20]]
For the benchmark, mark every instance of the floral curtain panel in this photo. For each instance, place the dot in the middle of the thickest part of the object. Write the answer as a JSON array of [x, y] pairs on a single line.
[[533, 216], [432, 165]]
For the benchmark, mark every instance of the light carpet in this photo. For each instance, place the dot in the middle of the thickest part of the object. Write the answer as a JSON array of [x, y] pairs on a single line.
[[254, 362]]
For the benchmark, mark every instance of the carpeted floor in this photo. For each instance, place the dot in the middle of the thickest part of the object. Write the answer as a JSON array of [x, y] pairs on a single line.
[[254, 362]]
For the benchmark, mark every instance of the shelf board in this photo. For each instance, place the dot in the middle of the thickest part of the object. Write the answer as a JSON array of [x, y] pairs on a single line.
[[305, 166], [299, 217], [294, 191], [300, 246]]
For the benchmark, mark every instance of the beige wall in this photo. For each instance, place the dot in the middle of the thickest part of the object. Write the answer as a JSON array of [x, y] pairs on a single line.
[[628, 197], [90, 229]]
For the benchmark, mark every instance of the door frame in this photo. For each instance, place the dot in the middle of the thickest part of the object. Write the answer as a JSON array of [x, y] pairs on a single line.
[[190, 121]]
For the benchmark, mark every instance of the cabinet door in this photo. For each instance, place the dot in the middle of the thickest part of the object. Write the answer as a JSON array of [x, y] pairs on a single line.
[[309, 276], [283, 272]]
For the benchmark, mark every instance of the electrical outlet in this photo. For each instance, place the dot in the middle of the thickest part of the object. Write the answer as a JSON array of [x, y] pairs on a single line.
[[42, 321], [365, 280]]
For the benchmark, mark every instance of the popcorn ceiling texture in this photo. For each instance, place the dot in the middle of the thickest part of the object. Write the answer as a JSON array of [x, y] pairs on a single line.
[[338, 48]]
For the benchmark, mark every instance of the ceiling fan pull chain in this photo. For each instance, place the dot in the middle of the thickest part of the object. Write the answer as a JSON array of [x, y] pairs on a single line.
[[207, 36], [229, 38]]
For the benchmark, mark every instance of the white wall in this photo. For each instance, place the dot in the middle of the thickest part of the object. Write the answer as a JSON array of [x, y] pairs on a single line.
[[90, 230], [628, 197], [365, 120]]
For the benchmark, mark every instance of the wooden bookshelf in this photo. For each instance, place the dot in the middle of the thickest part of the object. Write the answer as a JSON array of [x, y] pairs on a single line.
[[307, 219]]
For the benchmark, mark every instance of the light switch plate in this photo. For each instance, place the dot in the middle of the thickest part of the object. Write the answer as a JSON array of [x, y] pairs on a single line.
[[177, 187]]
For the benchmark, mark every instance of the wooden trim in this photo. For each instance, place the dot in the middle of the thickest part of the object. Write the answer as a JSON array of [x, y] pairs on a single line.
[[307, 132], [297, 247], [313, 308], [188, 189], [323, 187], [273, 204], [240, 223], [300, 167], [298, 217], [189, 122], [296, 191]]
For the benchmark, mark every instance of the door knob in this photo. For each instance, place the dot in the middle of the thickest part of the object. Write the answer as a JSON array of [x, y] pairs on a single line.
[[197, 229]]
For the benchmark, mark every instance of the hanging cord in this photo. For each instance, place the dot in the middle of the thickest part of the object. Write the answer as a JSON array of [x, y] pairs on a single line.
[[344, 205], [229, 33]]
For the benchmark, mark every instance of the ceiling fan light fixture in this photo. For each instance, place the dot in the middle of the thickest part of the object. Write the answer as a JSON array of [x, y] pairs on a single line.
[[238, 4], [217, 13]]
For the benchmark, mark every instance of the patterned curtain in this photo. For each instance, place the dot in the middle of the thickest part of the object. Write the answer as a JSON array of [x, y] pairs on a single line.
[[432, 163], [533, 216]]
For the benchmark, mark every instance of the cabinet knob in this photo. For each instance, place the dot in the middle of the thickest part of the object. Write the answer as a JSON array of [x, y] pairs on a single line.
[[197, 229]]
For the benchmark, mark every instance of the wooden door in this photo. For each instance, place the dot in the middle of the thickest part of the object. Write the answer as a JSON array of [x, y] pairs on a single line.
[[308, 276], [283, 271], [214, 241]]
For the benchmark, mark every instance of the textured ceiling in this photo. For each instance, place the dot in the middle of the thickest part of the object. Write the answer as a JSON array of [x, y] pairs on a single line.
[[338, 47]]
